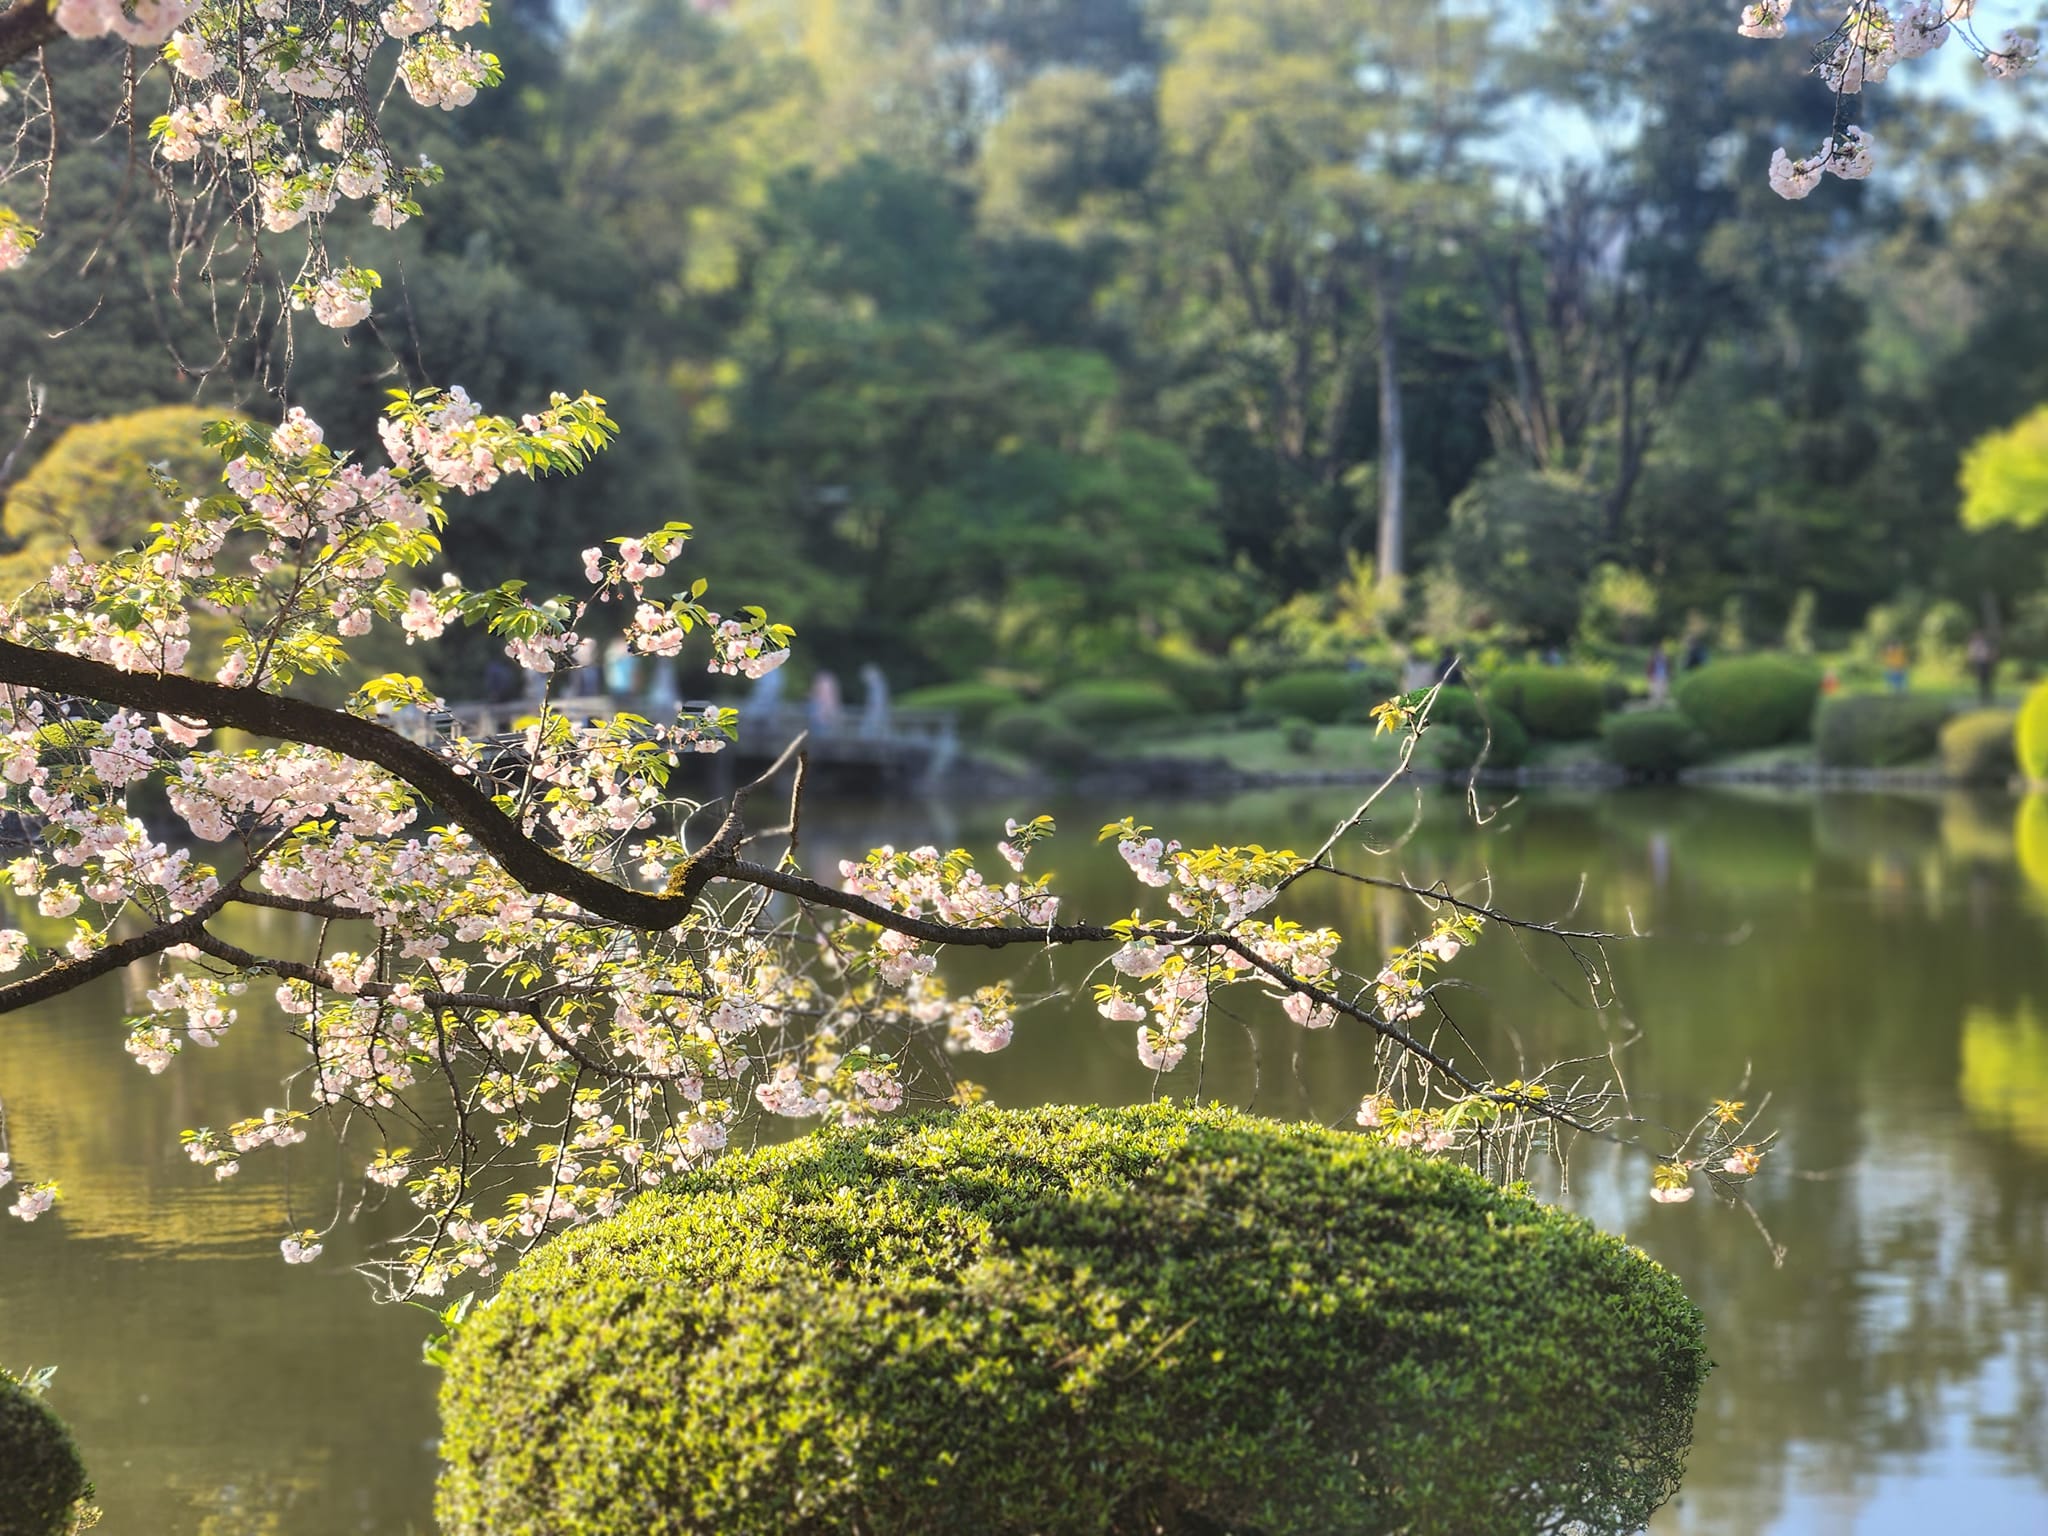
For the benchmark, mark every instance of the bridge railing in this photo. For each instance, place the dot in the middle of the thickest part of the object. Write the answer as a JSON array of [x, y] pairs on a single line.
[[928, 738]]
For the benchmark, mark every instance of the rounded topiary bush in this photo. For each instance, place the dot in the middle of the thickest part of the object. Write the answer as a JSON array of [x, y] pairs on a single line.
[[1205, 687], [1748, 702], [1322, 697], [1087, 1322], [972, 703], [1555, 703], [2030, 841], [2030, 737], [1651, 743], [1879, 730], [42, 1481], [93, 489], [1110, 704], [1034, 731], [1977, 747], [1461, 729]]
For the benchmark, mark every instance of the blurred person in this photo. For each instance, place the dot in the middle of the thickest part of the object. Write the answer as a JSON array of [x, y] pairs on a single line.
[[826, 705], [1895, 666], [874, 701], [588, 684], [1659, 674], [1983, 657], [663, 695], [621, 668], [1415, 673], [766, 697]]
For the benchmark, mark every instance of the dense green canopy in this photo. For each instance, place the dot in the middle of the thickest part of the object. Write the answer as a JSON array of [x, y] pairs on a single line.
[[1110, 328]]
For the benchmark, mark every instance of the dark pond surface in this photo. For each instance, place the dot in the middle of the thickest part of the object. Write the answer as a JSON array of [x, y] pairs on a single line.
[[1878, 964]]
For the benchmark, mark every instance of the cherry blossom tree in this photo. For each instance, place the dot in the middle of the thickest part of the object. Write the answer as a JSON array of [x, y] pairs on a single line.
[[527, 931], [533, 975], [1860, 50], [273, 121]]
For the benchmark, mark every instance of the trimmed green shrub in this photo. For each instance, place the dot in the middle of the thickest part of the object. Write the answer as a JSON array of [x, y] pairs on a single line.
[[1977, 746], [1747, 702], [1879, 730], [2030, 841], [1034, 731], [1107, 704], [42, 1480], [2030, 736], [1459, 731], [1651, 743], [1323, 697], [1555, 703], [93, 488], [1095, 1322], [972, 702], [1300, 736], [1205, 687]]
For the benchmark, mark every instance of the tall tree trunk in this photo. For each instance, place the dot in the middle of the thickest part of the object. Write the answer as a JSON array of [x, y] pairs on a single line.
[[1386, 292]]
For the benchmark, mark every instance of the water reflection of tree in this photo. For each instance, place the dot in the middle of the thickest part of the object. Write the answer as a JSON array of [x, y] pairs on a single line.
[[1839, 943], [1915, 1278]]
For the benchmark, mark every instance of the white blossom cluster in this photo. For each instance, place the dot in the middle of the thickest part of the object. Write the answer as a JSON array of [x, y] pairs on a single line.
[[1860, 51], [280, 99]]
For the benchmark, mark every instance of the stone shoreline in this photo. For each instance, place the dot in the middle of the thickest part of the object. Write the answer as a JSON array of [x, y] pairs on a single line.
[[1179, 776]]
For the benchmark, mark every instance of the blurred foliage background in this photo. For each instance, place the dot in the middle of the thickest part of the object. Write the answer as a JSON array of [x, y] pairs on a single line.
[[1062, 338]]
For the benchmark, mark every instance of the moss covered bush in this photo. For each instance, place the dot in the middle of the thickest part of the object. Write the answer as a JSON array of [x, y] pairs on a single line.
[[1086, 1322], [972, 703], [1322, 697], [1977, 746], [1879, 730], [1748, 702], [1555, 703], [2030, 737], [42, 1480], [1459, 731], [1651, 744], [1112, 704]]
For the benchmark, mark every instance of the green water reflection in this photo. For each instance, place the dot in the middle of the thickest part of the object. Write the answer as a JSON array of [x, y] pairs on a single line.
[[1879, 963]]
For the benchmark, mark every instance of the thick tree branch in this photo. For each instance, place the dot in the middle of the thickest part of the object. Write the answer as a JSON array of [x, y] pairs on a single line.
[[449, 789], [24, 27], [537, 870], [59, 979]]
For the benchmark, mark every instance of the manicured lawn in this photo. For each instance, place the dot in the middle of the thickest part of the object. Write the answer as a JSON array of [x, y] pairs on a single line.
[[1336, 749]]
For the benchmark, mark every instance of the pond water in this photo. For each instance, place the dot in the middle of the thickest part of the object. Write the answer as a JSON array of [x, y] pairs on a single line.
[[1877, 965]]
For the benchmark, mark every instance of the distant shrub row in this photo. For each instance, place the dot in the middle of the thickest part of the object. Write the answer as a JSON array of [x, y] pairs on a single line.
[[1741, 704]]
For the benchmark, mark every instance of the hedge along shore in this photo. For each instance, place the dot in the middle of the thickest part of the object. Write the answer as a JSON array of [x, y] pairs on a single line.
[[1188, 776]]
